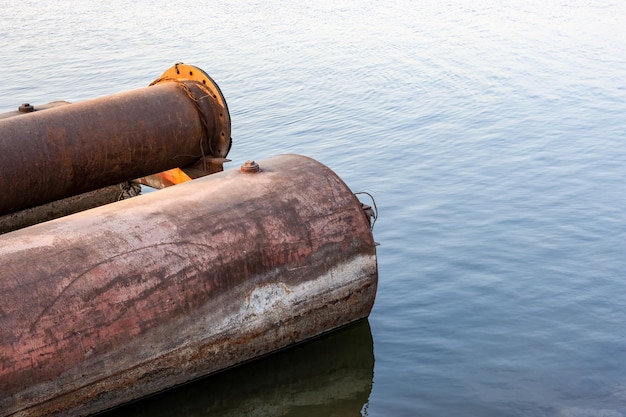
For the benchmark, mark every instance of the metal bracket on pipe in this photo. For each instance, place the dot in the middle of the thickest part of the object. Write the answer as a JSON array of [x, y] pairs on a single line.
[[205, 166]]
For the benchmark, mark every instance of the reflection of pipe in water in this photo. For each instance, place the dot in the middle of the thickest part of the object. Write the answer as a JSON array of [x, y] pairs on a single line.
[[331, 375]]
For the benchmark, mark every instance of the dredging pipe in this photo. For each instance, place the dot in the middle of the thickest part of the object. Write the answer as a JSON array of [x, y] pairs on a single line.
[[71, 149], [114, 303]]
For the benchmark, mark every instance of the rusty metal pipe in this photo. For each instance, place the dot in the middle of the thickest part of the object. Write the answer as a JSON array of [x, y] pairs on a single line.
[[70, 205], [75, 148], [114, 303]]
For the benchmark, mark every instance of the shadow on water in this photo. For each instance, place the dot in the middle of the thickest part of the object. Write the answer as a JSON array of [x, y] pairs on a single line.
[[331, 375]]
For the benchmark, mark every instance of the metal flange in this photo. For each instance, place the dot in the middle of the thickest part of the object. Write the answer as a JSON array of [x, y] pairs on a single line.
[[182, 73]]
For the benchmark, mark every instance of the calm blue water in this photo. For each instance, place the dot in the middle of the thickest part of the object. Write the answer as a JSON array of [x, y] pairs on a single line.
[[493, 139]]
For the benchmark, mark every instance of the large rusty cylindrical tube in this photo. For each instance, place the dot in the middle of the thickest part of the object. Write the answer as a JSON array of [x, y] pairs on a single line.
[[75, 148], [114, 303]]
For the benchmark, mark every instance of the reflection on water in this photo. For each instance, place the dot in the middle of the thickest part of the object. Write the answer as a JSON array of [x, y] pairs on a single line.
[[329, 376]]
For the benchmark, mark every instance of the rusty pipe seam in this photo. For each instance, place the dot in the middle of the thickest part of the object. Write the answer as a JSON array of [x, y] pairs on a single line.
[[181, 71], [201, 107]]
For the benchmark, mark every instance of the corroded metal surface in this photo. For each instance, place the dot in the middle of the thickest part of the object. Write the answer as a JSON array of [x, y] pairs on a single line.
[[124, 300], [67, 206], [75, 148]]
